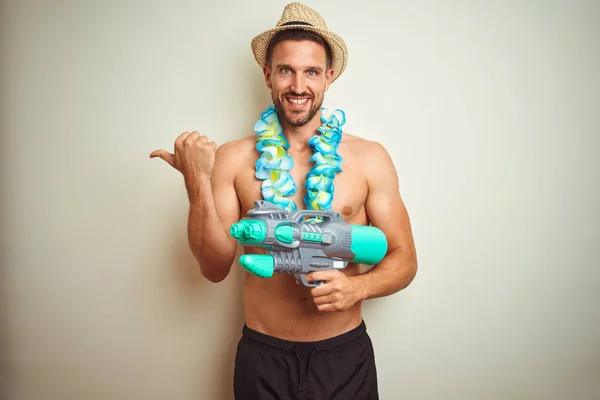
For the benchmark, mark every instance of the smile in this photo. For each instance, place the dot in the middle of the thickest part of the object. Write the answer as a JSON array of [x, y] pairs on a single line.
[[297, 102]]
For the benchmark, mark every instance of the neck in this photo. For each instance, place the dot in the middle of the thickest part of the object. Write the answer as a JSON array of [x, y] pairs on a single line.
[[298, 136]]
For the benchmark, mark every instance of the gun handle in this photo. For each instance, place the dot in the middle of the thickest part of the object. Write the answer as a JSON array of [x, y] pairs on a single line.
[[302, 279], [330, 215]]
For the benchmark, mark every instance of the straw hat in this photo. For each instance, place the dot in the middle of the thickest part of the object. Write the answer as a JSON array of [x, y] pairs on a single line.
[[300, 16]]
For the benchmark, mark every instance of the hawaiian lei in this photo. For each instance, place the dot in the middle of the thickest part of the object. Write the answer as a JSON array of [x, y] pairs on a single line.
[[274, 164]]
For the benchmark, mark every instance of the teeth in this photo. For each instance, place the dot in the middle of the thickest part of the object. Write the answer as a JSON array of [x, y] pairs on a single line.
[[298, 101]]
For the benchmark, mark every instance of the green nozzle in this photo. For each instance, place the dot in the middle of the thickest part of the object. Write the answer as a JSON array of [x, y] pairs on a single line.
[[261, 265], [369, 244], [249, 231], [285, 233]]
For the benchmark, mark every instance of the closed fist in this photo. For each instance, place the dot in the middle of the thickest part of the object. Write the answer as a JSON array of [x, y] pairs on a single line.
[[194, 156]]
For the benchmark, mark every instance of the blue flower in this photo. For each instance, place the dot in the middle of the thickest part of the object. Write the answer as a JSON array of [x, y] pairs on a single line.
[[319, 201], [320, 183], [327, 159], [272, 158], [336, 118], [269, 112], [286, 204], [332, 136], [284, 183], [323, 147], [268, 192], [325, 170], [269, 141], [262, 172]]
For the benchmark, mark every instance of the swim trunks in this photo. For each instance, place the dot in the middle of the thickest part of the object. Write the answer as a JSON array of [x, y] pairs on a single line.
[[339, 368]]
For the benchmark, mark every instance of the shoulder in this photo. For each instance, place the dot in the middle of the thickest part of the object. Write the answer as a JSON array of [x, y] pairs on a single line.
[[364, 148], [236, 149], [375, 161], [232, 157]]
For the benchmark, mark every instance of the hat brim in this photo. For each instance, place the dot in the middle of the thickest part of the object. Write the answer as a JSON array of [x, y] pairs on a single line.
[[339, 51]]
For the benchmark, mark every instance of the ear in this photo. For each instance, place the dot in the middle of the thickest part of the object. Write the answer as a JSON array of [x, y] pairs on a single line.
[[328, 78], [267, 74]]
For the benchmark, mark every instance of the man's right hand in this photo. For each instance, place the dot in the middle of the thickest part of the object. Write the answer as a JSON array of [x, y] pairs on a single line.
[[209, 176], [194, 157]]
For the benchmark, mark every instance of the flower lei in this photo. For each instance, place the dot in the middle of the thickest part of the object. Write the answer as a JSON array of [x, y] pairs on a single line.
[[274, 164]]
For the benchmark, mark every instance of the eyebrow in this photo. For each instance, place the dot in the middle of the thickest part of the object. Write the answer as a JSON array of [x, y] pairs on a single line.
[[318, 69], [315, 68]]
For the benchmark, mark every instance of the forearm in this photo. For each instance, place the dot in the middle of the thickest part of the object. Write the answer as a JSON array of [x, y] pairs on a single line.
[[209, 241], [394, 273]]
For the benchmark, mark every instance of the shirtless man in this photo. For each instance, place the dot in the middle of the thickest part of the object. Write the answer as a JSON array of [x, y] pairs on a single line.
[[298, 342]]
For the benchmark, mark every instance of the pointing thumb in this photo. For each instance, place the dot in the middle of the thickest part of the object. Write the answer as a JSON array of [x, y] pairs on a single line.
[[165, 155]]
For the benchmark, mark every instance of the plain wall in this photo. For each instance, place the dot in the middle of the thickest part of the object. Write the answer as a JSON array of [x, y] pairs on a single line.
[[490, 111]]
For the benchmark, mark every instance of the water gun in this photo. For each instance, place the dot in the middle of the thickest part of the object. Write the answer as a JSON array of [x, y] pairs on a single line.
[[297, 245]]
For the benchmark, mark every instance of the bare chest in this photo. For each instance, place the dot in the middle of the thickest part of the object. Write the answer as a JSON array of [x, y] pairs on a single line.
[[350, 188]]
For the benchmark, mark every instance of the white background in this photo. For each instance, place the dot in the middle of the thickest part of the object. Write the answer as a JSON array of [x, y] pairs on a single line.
[[489, 110]]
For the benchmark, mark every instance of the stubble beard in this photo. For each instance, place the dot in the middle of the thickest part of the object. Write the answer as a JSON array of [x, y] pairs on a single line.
[[292, 118]]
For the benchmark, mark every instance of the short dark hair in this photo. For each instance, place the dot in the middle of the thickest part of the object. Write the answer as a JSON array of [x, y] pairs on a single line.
[[297, 35]]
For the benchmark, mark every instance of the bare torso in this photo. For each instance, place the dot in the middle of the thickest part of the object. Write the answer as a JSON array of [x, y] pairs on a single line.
[[279, 306]]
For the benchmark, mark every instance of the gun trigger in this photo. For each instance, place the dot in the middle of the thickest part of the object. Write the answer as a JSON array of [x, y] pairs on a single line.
[[306, 283]]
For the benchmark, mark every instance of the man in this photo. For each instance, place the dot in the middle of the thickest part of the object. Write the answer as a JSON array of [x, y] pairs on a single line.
[[298, 342]]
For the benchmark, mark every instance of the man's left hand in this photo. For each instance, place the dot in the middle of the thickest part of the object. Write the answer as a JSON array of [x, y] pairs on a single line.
[[338, 292]]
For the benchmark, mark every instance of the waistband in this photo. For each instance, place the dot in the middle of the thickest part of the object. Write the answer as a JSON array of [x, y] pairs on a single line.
[[283, 344]]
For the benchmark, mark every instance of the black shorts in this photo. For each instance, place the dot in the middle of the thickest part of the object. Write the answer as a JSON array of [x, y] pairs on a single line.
[[340, 368]]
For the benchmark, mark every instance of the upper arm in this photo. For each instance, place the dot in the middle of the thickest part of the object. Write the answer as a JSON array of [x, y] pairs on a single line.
[[222, 183], [384, 206]]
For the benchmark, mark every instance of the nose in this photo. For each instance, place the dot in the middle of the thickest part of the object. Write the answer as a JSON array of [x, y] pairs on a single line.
[[299, 84]]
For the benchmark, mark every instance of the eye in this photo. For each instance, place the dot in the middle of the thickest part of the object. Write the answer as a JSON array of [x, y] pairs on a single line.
[[312, 73], [286, 71]]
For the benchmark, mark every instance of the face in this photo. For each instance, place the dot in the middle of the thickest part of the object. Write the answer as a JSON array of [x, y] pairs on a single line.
[[298, 78]]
